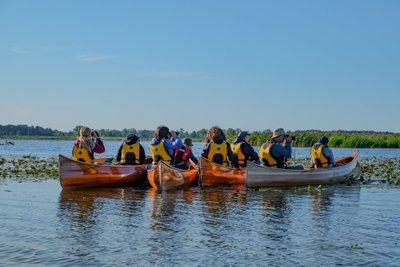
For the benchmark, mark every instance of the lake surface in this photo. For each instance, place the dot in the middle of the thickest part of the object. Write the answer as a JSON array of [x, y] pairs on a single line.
[[51, 148], [43, 225]]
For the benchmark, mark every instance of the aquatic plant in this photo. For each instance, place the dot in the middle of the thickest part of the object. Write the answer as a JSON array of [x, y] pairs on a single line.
[[28, 167]]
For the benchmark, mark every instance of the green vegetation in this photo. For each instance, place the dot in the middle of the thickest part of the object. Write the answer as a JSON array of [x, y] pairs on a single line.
[[28, 167], [350, 139]]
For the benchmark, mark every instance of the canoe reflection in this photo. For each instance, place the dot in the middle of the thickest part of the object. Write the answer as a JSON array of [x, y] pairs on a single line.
[[281, 209], [87, 215], [219, 202], [276, 200], [165, 208]]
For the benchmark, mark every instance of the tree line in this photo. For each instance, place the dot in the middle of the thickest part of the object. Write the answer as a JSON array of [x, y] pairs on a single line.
[[306, 138]]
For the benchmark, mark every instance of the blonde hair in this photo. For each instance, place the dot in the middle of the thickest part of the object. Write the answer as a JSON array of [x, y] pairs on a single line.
[[213, 133], [85, 139]]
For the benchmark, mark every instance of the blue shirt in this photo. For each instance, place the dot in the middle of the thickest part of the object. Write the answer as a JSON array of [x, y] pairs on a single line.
[[170, 145], [282, 151]]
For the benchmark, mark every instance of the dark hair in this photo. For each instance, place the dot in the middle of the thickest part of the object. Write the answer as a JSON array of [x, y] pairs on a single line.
[[131, 138], [161, 132]]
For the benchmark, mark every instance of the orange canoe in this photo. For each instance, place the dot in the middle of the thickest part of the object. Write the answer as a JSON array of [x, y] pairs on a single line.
[[81, 174], [164, 177], [212, 174]]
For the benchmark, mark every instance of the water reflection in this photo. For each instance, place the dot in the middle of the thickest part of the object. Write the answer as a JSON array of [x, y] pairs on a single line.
[[170, 228], [163, 207], [299, 213], [80, 205], [87, 218], [205, 226], [218, 202]]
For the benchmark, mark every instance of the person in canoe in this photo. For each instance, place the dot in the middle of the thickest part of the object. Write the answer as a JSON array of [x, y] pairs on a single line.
[[131, 152], [86, 145], [274, 154], [322, 155], [217, 149], [243, 150], [163, 144], [184, 154]]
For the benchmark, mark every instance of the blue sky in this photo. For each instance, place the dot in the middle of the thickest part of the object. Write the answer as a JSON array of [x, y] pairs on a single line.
[[252, 65]]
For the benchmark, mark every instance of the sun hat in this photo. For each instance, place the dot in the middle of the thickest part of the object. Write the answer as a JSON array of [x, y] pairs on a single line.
[[243, 134], [278, 132]]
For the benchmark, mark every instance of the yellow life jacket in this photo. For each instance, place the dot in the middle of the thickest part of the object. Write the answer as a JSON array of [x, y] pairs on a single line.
[[158, 151], [81, 154], [218, 149], [236, 149], [130, 151], [318, 158], [266, 156]]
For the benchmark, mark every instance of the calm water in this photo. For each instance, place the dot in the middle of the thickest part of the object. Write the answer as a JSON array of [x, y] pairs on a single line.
[[53, 148], [43, 225]]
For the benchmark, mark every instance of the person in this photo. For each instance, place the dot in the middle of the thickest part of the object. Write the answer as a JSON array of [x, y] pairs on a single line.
[[274, 154], [183, 154], [243, 150], [322, 155], [131, 152], [217, 150], [163, 144], [86, 145]]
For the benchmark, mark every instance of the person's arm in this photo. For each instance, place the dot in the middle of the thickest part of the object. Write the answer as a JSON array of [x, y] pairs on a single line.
[[99, 146], [329, 154], [76, 143], [193, 158], [118, 157], [174, 143], [249, 150], [232, 157], [206, 149], [142, 155], [282, 151]]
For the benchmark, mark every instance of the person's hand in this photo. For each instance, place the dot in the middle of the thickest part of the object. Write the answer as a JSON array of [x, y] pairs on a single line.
[[289, 138], [95, 134]]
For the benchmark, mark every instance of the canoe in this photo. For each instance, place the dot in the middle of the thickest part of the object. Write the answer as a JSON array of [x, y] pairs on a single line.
[[82, 174], [258, 176], [213, 174], [164, 177]]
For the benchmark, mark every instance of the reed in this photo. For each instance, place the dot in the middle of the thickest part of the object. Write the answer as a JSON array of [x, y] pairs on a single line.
[[343, 139]]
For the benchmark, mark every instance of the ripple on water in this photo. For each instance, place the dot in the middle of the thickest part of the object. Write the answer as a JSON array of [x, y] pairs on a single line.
[[337, 225]]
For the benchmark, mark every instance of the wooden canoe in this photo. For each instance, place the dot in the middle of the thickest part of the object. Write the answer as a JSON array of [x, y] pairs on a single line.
[[258, 176], [81, 174], [213, 174], [164, 177]]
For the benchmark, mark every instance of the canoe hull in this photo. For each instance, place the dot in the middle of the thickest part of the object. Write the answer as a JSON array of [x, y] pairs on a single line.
[[259, 176], [76, 174], [213, 174], [164, 177]]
